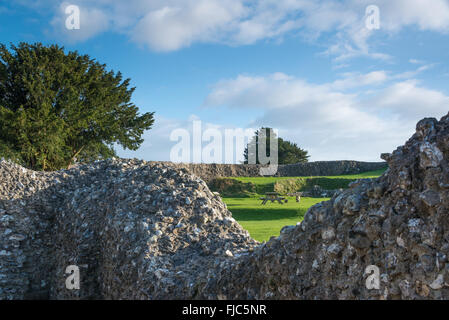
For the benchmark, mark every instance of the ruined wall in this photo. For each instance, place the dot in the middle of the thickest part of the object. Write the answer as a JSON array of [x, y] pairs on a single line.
[[142, 230], [397, 223], [136, 231], [208, 172]]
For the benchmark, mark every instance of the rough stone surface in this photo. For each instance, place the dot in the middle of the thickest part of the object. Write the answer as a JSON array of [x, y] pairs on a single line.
[[136, 230], [318, 192], [142, 230]]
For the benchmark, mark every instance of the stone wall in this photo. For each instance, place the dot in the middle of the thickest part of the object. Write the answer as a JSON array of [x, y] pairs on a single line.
[[142, 230], [208, 172], [128, 225]]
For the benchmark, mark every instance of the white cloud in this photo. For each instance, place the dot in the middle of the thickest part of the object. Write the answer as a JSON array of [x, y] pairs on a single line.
[[330, 123], [329, 120], [157, 145], [416, 61], [413, 73], [352, 80], [354, 39], [93, 21], [410, 102], [173, 27], [427, 15], [168, 25]]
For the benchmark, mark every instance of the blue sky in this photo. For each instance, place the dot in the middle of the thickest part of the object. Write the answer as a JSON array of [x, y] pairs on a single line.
[[311, 69]]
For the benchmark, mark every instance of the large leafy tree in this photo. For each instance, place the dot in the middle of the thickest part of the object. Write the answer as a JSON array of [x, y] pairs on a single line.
[[288, 152], [57, 108]]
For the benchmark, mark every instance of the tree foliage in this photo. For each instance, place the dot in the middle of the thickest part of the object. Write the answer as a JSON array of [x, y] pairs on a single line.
[[288, 152], [57, 108]]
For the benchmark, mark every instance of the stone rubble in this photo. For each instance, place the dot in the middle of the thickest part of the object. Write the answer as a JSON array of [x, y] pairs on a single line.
[[140, 230], [318, 192], [136, 231]]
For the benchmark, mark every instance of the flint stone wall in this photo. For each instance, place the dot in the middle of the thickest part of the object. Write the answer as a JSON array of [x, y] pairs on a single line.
[[208, 172], [128, 225], [154, 231]]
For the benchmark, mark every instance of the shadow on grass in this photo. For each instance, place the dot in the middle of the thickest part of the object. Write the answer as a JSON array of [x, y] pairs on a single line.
[[266, 214], [264, 188]]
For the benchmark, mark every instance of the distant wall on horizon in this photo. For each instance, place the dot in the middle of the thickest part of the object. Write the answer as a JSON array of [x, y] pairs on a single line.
[[317, 168]]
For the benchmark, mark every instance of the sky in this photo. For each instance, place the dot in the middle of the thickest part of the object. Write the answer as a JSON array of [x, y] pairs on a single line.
[[345, 80]]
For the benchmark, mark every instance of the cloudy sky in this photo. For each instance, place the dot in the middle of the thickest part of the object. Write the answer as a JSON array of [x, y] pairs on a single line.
[[320, 72]]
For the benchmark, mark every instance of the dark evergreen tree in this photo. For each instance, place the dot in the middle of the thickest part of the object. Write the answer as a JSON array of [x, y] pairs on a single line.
[[57, 107], [288, 152]]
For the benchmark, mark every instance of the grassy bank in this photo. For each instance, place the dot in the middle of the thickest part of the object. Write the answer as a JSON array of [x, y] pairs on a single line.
[[234, 187]]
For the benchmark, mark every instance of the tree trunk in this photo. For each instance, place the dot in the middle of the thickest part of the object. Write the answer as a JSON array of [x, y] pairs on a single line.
[[72, 159]]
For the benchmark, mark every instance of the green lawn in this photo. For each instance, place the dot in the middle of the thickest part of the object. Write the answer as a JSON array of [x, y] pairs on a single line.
[[265, 221]]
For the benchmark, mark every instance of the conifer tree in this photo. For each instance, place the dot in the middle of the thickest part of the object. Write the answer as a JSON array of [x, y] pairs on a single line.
[[57, 108], [288, 152]]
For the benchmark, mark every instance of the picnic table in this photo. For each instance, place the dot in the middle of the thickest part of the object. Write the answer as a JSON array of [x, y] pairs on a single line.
[[297, 195], [272, 196]]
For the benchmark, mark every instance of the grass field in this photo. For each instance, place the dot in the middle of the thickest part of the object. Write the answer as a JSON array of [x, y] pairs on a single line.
[[263, 222]]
